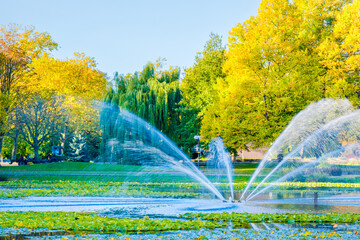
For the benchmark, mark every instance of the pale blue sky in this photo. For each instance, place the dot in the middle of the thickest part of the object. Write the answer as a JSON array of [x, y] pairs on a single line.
[[124, 35]]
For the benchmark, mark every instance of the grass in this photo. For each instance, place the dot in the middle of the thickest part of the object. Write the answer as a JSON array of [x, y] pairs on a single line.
[[85, 166], [83, 171], [72, 166]]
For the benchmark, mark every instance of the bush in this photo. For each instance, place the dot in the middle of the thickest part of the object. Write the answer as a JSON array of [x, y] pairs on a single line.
[[3, 178], [335, 171]]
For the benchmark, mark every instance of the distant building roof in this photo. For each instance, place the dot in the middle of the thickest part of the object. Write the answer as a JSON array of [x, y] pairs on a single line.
[[257, 153]]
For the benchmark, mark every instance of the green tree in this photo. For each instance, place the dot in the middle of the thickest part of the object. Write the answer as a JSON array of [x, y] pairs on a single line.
[[152, 94], [198, 91], [39, 120]]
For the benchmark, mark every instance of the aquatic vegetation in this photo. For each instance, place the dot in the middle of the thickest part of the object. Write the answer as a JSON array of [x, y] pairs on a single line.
[[92, 223], [241, 218], [89, 188], [26, 188]]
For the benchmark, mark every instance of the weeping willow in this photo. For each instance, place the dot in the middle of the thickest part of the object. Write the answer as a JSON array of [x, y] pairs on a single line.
[[152, 94]]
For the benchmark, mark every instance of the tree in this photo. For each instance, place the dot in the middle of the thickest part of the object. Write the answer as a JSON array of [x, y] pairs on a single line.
[[199, 80], [273, 71], [78, 149], [152, 94], [341, 54], [73, 77], [38, 120], [79, 83], [198, 91], [18, 48]]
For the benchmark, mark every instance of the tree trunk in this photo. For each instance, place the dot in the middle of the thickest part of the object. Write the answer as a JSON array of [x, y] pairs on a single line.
[[14, 150], [36, 153], [63, 138]]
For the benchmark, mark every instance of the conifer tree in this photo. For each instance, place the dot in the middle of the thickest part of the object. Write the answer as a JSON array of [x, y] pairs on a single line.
[[78, 149]]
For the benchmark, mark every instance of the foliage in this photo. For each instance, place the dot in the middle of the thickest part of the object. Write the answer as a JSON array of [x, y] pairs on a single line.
[[27, 70], [79, 83], [152, 94], [23, 148], [273, 71], [198, 87], [198, 91], [188, 128], [21, 188], [92, 223], [340, 53], [38, 120], [164, 187], [75, 77], [277, 62], [199, 80], [18, 48]]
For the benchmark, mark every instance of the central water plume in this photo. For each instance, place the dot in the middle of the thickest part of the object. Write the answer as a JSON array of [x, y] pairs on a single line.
[[219, 163], [304, 124], [128, 139]]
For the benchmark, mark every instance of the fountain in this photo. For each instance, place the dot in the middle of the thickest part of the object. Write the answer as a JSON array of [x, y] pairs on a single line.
[[313, 138]]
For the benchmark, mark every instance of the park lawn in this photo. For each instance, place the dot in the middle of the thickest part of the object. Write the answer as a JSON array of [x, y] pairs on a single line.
[[89, 166], [72, 166], [85, 171]]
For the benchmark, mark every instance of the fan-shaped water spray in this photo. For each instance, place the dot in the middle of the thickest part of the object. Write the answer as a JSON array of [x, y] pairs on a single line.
[[302, 125], [328, 139], [128, 139], [316, 167]]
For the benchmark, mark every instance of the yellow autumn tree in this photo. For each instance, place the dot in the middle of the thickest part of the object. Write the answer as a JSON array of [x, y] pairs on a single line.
[[19, 46], [341, 54], [273, 71], [77, 81], [77, 76]]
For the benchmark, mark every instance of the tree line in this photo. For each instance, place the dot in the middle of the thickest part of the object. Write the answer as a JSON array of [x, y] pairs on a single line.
[[44, 101], [274, 64]]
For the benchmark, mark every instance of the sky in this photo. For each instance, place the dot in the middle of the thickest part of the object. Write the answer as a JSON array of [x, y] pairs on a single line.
[[123, 36]]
